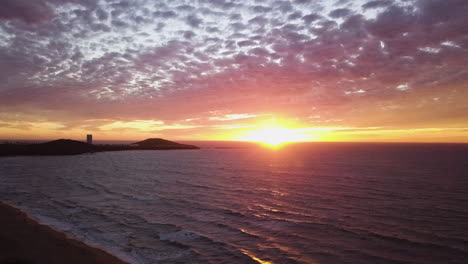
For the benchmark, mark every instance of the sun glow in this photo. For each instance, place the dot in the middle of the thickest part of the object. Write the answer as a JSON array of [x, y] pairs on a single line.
[[275, 136]]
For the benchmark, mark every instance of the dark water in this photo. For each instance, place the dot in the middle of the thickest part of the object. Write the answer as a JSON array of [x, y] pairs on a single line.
[[308, 203]]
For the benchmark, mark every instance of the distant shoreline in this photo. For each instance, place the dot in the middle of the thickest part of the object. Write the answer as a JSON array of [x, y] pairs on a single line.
[[24, 240], [73, 147]]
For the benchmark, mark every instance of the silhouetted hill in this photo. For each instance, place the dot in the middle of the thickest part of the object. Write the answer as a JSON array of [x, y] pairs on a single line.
[[162, 144], [73, 147], [63, 147], [56, 147]]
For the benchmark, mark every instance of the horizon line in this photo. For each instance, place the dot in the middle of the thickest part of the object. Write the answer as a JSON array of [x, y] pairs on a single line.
[[255, 142]]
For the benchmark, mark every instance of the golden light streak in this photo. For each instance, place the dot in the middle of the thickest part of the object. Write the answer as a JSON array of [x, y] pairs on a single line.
[[252, 256]]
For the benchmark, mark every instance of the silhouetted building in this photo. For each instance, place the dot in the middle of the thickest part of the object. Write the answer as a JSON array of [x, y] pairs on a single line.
[[89, 139]]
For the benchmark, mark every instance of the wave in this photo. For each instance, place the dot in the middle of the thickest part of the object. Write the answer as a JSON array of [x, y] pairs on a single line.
[[209, 206], [70, 231]]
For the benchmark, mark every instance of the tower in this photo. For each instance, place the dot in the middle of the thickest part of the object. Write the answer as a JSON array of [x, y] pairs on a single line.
[[89, 139]]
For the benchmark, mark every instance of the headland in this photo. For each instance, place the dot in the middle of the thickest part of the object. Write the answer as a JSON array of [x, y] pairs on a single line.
[[73, 147]]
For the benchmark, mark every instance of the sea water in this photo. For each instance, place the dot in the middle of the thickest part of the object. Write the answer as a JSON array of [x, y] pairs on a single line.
[[306, 203]]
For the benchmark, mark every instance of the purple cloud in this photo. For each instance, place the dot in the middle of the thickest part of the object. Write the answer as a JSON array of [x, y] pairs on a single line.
[[27, 11], [194, 21], [229, 55]]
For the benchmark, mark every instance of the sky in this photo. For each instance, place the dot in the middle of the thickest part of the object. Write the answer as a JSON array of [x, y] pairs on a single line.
[[330, 70]]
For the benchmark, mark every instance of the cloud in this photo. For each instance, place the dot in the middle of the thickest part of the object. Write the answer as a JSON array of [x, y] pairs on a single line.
[[35, 12], [392, 22], [194, 21], [261, 9], [165, 61], [377, 4], [340, 12], [232, 117], [26, 11], [164, 14], [310, 18]]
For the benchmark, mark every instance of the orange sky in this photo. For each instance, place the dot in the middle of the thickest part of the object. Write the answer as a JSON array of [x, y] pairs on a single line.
[[307, 71]]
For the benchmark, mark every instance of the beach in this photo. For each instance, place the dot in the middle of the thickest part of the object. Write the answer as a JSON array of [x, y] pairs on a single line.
[[25, 241]]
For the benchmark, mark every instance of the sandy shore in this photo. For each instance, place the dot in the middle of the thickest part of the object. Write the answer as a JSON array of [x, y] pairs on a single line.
[[24, 241]]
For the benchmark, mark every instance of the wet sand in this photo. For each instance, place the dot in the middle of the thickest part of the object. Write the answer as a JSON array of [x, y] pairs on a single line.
[[24, 241]]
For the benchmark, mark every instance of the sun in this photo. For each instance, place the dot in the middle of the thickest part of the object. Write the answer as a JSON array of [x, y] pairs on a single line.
[[274, 136]]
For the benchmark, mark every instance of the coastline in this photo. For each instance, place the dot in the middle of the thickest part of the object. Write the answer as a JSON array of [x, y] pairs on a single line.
[[24, 240], [73, 147]]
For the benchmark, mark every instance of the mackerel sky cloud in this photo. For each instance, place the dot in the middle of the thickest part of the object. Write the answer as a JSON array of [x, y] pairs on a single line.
[[196, 69]]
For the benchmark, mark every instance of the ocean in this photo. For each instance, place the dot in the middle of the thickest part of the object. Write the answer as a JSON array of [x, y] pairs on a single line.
[[304, 203]]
